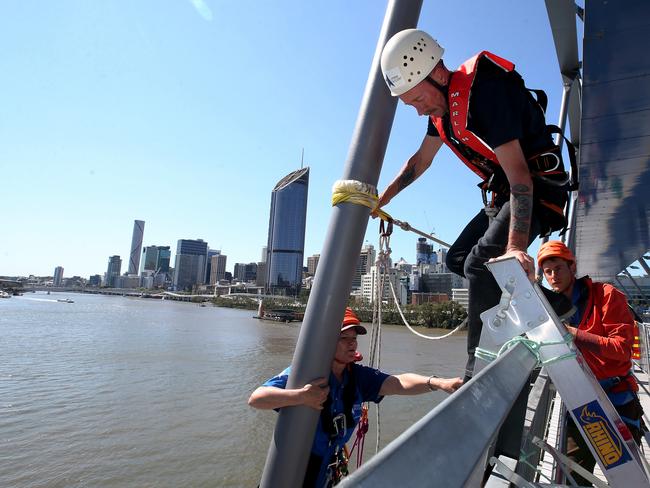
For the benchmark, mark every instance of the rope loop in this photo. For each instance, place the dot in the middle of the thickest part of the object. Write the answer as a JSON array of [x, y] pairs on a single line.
[[532, 345], [359, 193]]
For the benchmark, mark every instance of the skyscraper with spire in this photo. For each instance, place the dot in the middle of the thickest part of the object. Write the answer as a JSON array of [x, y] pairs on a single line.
[[286, 240]]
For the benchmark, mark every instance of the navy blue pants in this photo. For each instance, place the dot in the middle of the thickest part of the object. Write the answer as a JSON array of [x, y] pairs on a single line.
[[479, 242]]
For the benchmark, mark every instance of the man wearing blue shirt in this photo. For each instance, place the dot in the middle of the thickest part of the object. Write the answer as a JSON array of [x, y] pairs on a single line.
[[339, 399]]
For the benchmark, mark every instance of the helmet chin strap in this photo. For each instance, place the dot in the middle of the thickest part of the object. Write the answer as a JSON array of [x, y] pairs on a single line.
[[443, 88]]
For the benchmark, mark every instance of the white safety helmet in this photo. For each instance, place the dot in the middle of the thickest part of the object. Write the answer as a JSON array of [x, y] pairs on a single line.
[[408, 58]]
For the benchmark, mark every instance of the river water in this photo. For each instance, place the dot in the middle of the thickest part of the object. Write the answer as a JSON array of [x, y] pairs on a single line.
[[126, 392]]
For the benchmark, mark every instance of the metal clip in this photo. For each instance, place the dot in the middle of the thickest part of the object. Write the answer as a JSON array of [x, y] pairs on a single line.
[[340, 425]]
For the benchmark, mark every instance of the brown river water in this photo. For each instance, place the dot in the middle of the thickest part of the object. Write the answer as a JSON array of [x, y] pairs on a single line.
[[126, 392]]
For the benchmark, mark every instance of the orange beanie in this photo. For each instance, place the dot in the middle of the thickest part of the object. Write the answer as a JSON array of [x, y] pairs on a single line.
[[351, 321], [554, 249], [350, 318]]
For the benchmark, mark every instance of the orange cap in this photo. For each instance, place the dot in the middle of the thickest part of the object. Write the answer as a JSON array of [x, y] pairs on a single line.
[[351, 321], [554, 249]]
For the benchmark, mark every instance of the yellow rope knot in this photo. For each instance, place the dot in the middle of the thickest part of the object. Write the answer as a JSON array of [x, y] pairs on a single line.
[[359, 193]]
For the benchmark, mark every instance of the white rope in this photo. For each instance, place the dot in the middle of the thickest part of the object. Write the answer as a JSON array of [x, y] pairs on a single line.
[[383, 260], [374, 360], [432, 338]]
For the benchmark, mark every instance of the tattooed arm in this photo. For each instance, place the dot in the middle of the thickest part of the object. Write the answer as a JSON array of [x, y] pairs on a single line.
[[514, 165], [414, 167]]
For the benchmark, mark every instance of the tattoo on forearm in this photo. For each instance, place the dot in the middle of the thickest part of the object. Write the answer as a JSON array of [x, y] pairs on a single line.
[[521, 205], [406, 178]]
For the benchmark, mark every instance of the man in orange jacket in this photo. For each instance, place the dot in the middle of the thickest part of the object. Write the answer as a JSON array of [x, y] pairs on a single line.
[[603, 331]]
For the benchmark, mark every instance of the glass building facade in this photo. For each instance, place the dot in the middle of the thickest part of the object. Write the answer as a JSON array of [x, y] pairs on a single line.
[[286, 241], [113, 270], [190, 265], [136, 246], [155, 258]]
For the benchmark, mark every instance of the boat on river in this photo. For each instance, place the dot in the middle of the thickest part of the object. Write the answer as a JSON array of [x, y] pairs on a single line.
[[281, 315], [65, 300]]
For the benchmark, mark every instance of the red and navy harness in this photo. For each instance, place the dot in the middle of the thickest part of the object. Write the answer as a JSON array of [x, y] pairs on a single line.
[[551, 180]]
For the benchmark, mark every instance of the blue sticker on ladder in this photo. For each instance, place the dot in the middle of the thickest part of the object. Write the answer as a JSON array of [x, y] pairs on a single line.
[[602, 435]]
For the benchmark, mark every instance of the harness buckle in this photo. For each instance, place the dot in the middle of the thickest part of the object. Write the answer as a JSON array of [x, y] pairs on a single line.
[[489, 205], [558, 161], [340, 425]]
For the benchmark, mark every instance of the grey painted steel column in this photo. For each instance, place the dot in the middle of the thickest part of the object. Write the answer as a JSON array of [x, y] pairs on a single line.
[[289, 451], [562, 19]]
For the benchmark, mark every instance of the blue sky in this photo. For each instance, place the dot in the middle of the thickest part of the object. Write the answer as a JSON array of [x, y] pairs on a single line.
[[185, 113]]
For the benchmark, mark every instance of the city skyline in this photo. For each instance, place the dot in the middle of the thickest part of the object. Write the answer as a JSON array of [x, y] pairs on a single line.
[[184, 116]]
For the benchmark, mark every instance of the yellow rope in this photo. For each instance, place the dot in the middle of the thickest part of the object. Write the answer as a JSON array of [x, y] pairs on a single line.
[[352, 191], [359, 193]]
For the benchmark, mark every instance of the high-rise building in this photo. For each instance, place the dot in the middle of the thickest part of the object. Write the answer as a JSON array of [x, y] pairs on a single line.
[[136, 246], [423, 252], [58, 276], [442, 261], [95, 280], [191, 256], [286, 240], [163, 258], [366, 261], [113, 271], [437, 283], [370, 281], [148, 261], [155, 259], [265, 251], [208, 264], [312, 264], [217, 268], [260, 280], [245, 272]]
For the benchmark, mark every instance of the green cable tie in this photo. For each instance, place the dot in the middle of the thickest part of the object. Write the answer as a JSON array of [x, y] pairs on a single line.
[[523, 458]]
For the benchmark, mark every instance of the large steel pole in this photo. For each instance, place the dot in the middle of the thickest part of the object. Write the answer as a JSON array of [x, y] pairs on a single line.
[[294, 431]]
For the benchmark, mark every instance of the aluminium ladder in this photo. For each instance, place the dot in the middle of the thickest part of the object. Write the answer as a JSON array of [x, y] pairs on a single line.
[[523, 309]]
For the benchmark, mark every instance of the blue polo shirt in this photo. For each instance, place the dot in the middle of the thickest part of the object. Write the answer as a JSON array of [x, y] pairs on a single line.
[[368, 383]]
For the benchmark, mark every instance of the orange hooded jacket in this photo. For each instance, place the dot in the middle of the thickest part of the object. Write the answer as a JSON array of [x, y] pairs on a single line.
[[606, 334]]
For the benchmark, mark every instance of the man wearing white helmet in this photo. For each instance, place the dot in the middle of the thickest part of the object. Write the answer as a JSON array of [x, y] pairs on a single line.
[[491, 121]]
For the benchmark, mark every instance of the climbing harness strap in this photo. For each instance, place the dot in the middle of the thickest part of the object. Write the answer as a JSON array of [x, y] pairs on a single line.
[[337, 469]]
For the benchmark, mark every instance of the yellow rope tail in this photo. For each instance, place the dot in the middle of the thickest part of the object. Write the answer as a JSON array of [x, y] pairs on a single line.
[[359, 193]]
